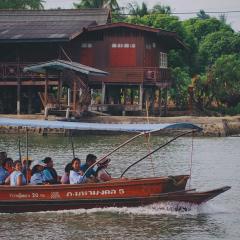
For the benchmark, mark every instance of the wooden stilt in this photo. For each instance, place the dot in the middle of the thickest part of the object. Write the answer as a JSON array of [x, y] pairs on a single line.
[[74, 94], [103, 93], [140, 97]]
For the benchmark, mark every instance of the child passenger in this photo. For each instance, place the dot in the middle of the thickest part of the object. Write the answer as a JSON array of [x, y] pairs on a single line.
[[16, 178], [65, 176], [76, 175]]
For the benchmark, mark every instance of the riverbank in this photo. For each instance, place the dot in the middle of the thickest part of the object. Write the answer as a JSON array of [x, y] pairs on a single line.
[[213, 126]]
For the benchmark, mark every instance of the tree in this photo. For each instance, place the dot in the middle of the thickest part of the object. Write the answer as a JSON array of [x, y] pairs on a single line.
[[112, 4], [217, 44], [22, 4], [137, 10], [202, 15], [226, 74], [158, 8]]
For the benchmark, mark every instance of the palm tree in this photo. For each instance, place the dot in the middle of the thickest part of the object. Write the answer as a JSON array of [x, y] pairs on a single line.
[[137, 10], [161, 9], [112, 4], [202, 15]]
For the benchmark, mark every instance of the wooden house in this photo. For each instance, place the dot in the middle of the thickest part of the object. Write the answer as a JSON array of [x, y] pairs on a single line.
[[134, 56]]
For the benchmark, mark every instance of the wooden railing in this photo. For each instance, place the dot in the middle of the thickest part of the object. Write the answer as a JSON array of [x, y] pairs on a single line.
[[139, 75], [12, 71], [148, 75]]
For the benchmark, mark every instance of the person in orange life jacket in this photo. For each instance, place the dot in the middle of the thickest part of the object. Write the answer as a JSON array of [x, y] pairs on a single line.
[[27, 172], [49, 172], [101, 174]]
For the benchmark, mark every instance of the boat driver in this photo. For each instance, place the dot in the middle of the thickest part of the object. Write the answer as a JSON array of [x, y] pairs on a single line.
[[90, 160]]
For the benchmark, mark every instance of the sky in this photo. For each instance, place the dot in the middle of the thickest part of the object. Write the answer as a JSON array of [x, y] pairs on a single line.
[[177, 6]]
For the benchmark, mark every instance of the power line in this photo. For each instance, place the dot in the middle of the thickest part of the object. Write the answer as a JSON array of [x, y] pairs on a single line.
[[183, 13]]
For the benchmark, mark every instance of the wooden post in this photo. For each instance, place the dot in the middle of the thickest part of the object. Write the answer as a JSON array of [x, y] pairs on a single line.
[[59, 92], [18, 96], [160, 101], [29, 100], [103, 93], [165, 102], [74, 94], [140, 97], [46, 89]]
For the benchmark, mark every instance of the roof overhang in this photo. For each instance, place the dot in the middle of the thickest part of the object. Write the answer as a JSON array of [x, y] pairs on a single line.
[[61, 65], [159, 32]]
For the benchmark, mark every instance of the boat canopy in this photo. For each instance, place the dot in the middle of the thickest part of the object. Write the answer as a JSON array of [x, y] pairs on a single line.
[[84, 126], [60, 65]]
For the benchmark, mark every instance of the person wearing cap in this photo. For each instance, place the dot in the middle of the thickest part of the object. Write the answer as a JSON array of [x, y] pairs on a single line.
[[16, 178], [38, 176], [76, 175], [49, 172], [90, 160], [101, 174]]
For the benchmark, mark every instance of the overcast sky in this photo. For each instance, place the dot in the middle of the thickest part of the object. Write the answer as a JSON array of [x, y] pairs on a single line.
[[177, 6]]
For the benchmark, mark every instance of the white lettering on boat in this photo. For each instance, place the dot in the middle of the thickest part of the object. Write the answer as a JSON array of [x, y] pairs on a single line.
[[19, 195], [95, 193]]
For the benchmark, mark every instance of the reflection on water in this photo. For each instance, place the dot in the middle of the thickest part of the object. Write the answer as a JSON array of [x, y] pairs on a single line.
[[215, 163]]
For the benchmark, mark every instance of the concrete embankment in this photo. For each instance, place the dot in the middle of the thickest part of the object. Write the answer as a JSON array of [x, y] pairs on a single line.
[[213, 126]]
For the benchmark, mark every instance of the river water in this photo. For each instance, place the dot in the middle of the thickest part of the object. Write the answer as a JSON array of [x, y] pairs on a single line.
[[215, 163]]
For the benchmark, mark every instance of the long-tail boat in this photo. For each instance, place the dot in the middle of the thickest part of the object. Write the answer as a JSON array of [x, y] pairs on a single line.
[[118, 192]]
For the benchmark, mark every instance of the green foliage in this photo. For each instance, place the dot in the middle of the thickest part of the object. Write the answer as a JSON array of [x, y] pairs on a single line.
[[137, 10], [200, 28], [112, 4], [226, 75], [181, 82], [216, 44], [22, 4]]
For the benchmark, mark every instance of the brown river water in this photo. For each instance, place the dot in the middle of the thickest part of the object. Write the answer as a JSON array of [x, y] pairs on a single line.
[[215, 163]]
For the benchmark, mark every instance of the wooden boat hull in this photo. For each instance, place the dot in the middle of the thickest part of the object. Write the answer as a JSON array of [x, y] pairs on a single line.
[[118, 193]]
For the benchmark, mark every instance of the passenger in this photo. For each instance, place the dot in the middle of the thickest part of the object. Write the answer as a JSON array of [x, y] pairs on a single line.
[[3, 156], [8, 165], [3, 173], [16, 178], [76, 175], [38, 176], [65, 176], [49, 172], [27, 172], [90, 160], [101, 174]]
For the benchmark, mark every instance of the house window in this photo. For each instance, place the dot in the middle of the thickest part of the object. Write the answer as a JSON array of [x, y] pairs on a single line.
[[86, 45], [123, 54], [163, 60]]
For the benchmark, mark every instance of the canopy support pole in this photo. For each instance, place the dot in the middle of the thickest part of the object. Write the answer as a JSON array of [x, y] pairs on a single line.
[[161, 146]]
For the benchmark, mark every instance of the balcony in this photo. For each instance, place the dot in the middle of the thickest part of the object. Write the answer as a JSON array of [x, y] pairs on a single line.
[[136, 75], [10, 72]]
